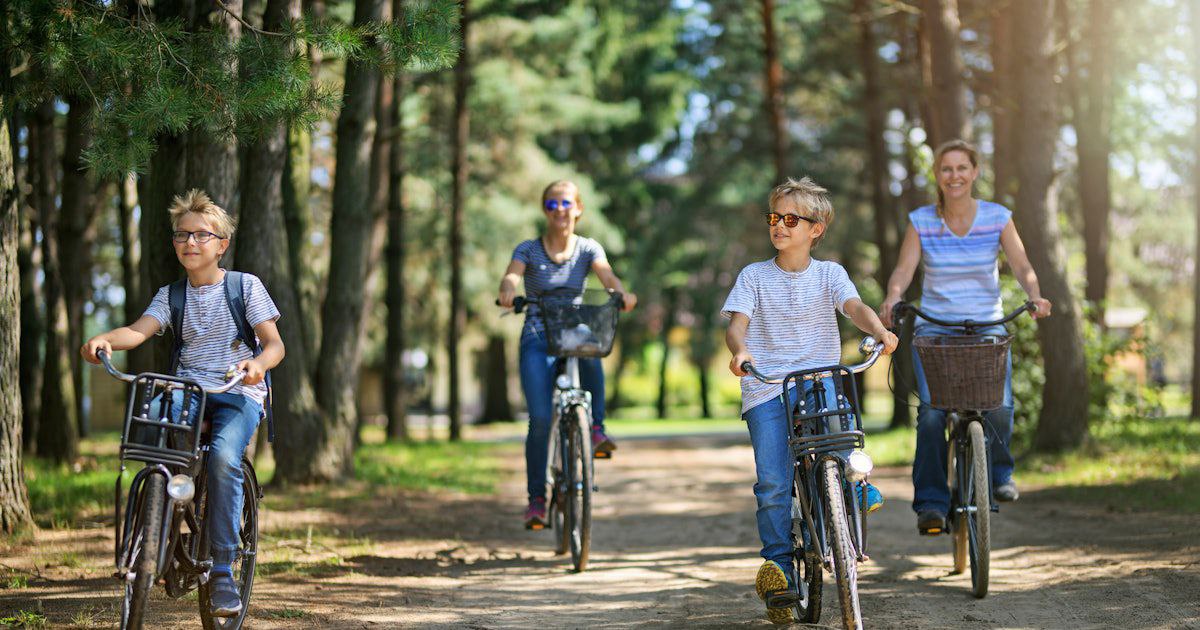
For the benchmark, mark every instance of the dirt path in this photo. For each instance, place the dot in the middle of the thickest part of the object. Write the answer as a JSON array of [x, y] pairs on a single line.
[[675, 545]]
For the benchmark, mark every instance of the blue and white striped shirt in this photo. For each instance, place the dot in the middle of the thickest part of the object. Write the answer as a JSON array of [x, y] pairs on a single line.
[[543, 274], [210, 338], [962, 280]]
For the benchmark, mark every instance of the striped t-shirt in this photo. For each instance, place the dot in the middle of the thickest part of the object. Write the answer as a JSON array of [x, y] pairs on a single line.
[[210, 338], [543, 275], [961, 276], [793, 321]]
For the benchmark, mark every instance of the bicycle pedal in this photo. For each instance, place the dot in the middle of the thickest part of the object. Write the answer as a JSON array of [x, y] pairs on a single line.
[[535, 526], [932, 531], [602, 455]]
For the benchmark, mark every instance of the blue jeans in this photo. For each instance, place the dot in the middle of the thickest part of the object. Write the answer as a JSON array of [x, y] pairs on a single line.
[[930, 489], [774, 467], [234, 419], [538, 370]]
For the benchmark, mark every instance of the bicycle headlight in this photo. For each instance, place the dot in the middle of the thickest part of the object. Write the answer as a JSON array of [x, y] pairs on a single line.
[[859, 465], [181, 488], [563, 381]]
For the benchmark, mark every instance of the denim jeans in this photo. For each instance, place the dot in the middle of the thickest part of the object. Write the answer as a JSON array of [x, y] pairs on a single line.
[[234, 419], [538, 370], [930, 489], [774, 467]]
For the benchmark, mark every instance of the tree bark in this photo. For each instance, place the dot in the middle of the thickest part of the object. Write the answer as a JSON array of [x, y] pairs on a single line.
[[1195, 6], [29, 263], [297, 219], [947, 85], [350, 229], [877, 158], [14, 497], [664, 339], [1064, 418], [159, 265], [496, 407], [395, 389], [58, 430], [1003, 102], [461, 135], [774, 92]]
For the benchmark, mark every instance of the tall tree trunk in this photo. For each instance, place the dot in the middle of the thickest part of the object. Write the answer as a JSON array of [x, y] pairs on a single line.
[[1064, 419], [58, 430], [1195, 6], [342, 314], [14, 498], [458, 314], [29, 263], [140, 359], [874, 106], [76, 236], [496, 407], [159, 265], [1003, 102], [774, 91], [395, 390], [948, 92]]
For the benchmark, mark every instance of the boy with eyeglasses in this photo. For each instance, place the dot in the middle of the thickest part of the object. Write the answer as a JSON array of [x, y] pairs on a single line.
[[210, 344], [782, 318]]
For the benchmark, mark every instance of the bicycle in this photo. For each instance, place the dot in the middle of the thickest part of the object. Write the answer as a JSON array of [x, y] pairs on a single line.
[[170, 491], [966, 377], [823, 504], [574, 330]]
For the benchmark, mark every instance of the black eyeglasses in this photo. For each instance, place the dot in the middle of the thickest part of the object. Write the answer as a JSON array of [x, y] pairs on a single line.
[[789, 220], [553, 204], [202, 236]]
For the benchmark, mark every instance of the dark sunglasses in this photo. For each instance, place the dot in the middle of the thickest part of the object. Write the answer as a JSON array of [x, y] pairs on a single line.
[[789, 220], [201, 237], [554, 204]]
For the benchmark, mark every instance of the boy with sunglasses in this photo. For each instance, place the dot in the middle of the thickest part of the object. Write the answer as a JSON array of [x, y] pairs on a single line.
[[782, 318], [210, 344]]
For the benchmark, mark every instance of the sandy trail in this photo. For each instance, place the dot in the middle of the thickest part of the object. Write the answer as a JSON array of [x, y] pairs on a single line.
[[674, 545]]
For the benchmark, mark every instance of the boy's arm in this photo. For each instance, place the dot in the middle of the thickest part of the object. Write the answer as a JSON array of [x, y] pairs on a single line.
[[609, 279], [868, 322], [271, 355], [735, 339], [123, 338]]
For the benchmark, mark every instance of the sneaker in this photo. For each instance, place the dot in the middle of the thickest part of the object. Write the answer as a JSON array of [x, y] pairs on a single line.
[[535, 514], [602, 445], [777, 592], [1006, 492], [931, 522], [226, 600], [874, 497]]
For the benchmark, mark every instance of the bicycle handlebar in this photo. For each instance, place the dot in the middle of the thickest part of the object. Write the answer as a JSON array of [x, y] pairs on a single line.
[[520, 301], [901, 307], [868, 345], [233, 376]]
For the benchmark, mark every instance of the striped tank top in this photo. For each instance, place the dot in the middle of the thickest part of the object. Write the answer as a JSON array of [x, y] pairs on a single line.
[[962, 279]]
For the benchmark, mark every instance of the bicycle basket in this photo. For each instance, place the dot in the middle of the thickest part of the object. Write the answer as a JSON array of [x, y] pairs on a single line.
[[579, 330], [964, 371]]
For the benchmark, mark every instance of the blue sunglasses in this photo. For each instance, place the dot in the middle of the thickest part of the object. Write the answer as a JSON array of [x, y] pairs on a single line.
[[554, 204]]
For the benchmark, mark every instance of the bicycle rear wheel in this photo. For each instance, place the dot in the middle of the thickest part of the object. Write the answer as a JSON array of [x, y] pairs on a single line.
[[845, 560], [144, 548], [579, 487], [979, 513], [243, 566]]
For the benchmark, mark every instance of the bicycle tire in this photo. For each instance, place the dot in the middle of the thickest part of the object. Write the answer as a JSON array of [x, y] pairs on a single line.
[[979, 529], [558, 496], [806, 565], [243, 567], [845, 561], [147, 537], [958, 522], [579, 489]]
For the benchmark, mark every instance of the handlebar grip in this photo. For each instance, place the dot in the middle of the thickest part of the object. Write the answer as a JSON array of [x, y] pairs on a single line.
[[519, 304], [745, 366]]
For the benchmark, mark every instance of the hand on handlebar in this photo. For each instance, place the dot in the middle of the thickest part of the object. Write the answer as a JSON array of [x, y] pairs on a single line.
[[885, 313], [889, 341], [736, 363], [1041, 308], [505, 298], [94, 345], [254, 373], [628, 301]]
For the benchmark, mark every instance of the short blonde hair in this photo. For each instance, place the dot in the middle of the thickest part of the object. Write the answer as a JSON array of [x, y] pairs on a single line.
[[197, 202], [810, 197]]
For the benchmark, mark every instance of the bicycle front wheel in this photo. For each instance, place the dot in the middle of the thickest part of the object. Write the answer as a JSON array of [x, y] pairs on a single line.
[[845, 560], [243, 566], [979, 511], [806, 566], [579, 488], [143, 549]]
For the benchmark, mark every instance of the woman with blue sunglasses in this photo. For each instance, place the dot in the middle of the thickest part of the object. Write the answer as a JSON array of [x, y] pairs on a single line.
[[557, 261]]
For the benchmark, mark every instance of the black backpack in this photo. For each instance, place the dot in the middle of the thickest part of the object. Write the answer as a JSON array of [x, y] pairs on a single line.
[[177, 298]]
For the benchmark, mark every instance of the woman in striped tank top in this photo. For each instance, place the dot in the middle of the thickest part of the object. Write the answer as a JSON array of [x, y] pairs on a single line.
[[559, 260], [957, 242]]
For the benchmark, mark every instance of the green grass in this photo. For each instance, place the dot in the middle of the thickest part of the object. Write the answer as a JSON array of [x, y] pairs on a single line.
[[24, 619], [283, 613], [468, 467], [65, 496]]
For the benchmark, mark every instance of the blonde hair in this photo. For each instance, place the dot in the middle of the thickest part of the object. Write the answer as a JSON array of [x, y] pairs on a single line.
[[197, 202], [810, 197], [942, 150]]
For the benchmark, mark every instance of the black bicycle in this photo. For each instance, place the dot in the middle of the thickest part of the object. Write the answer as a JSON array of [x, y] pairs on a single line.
[[163, 531], [574, 329], [829, 527], [966, 377]]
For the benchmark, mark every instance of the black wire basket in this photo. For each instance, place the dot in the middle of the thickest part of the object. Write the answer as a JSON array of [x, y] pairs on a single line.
[[576, 329], [965, 371]]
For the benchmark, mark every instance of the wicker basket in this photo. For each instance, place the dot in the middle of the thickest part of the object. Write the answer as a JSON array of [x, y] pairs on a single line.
[[579, 330], [964, 372]]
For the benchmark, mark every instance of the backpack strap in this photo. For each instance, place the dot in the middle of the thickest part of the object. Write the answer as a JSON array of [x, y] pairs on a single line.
[[176, 299], [237, 307]]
